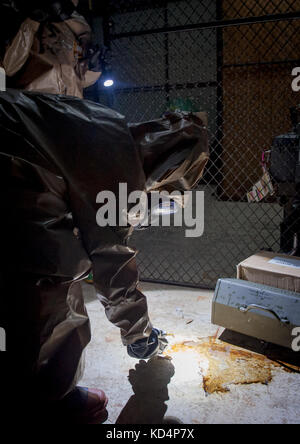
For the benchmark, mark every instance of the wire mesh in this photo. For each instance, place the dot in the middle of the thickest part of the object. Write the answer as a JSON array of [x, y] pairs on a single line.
[[240, 75]]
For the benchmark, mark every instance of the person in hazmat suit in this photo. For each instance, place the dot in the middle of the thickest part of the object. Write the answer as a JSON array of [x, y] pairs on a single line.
[[57, 153], [52, 51]]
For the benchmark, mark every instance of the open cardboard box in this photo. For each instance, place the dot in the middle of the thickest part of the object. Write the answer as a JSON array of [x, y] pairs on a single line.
[[273, 269]]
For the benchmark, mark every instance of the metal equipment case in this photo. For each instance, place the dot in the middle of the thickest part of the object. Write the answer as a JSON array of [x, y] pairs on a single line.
[[260, 311]]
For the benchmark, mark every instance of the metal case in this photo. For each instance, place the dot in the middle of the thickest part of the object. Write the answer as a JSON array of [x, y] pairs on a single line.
[[256, 310]]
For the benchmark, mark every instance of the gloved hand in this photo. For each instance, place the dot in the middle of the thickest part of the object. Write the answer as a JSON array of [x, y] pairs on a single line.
[[148, 347]]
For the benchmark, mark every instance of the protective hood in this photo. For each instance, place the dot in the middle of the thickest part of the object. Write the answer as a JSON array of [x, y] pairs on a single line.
[[54, 55]]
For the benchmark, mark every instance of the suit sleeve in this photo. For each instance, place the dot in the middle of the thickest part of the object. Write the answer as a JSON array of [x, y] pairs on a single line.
[[115, 273]]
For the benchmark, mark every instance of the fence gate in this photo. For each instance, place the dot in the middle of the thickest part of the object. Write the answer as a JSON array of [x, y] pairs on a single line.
[[232, 59]]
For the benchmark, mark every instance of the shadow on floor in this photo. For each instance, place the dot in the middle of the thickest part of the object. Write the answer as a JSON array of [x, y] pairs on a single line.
[[281, 355], [149, 382]]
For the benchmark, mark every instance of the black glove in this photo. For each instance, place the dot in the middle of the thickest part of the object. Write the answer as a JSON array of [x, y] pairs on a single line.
[[148, 347]]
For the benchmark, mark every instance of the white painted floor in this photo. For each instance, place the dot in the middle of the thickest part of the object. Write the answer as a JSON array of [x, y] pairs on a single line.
[[147, 392]]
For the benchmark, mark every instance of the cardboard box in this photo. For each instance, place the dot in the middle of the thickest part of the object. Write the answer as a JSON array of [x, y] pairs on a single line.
[[273, 269]]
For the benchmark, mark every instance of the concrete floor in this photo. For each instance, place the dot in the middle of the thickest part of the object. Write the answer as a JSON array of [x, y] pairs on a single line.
[[145, 392]]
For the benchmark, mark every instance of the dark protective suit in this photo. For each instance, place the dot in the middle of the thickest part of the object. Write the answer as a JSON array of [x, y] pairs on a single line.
[[57, 153]]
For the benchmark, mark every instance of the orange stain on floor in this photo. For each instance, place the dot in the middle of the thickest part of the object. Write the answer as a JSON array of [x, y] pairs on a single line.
[[222, 364]]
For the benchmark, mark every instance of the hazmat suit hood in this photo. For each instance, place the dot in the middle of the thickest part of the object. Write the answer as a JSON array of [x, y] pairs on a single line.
[[52, 51]]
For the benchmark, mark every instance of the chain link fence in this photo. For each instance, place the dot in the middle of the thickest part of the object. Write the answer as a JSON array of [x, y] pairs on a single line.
[[233, 60]]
